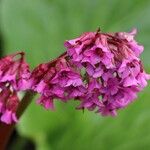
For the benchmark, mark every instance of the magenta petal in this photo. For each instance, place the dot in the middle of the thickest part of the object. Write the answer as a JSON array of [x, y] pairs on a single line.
[[129, 81], [46, 102], [90, 69], [40, 87], [8, 117]]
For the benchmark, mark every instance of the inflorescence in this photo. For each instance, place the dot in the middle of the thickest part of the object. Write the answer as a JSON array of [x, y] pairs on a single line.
[[103, 71]]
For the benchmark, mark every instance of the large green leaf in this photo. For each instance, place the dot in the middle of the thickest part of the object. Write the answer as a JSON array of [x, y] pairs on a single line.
[[39, 27]]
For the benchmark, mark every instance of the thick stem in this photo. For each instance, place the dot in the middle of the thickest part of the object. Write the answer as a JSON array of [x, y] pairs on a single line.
[[25, 102], [6, 130]]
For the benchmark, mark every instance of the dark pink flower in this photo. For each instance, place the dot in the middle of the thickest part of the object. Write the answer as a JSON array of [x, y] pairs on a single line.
[[67, 77], [130, 41], [47, 102], [14, 70], [8, 105], [111, 87], [94, 71], [90, 101], [9, 113]]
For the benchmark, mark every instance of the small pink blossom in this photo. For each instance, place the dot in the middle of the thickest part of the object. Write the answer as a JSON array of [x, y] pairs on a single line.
[[9, 108], [131, 42], [15, 70]]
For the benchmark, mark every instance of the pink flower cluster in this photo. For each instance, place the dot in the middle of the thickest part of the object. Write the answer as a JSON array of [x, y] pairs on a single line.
[[14, 74], [101, 70], [56, 80], [113, 70]]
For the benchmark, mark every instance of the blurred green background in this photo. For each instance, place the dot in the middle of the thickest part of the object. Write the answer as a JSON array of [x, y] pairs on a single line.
[[39, 27]]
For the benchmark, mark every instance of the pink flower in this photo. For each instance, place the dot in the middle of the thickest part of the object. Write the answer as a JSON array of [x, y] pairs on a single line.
[[47, 102], [94, 71], [90, 101], [8, 117], [67, 77], [15, 71], [111, 86], [129, 38], [10, 105]]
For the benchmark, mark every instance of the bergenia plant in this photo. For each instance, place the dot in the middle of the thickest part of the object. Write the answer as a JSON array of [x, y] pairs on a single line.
[[103, 71]]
